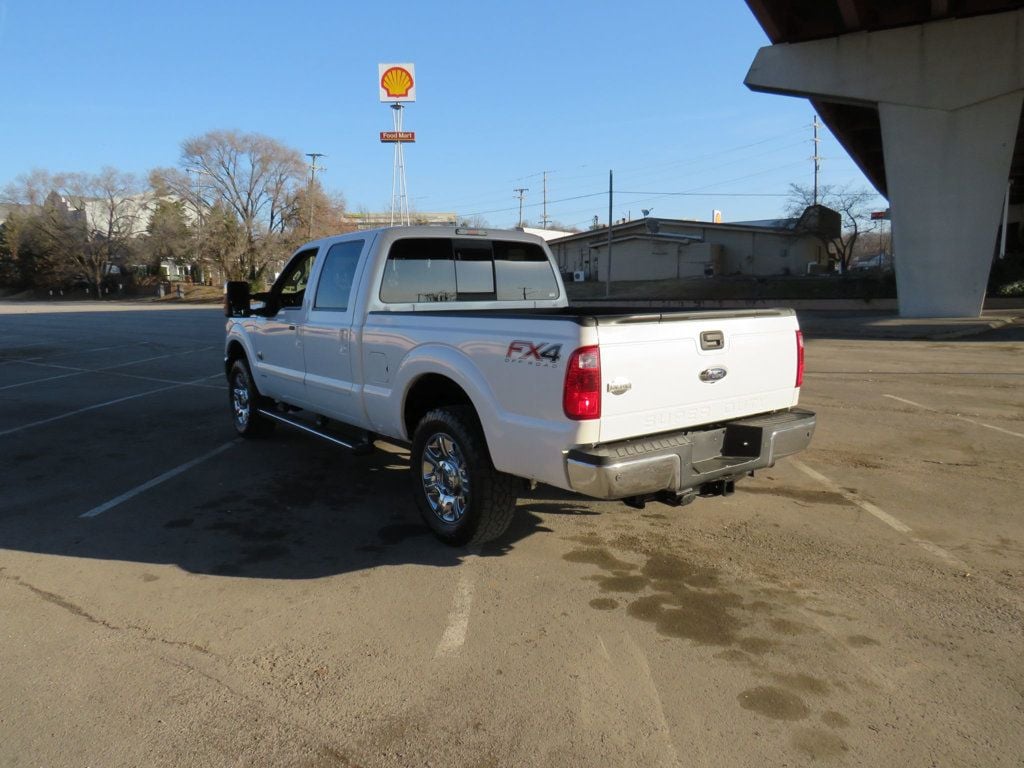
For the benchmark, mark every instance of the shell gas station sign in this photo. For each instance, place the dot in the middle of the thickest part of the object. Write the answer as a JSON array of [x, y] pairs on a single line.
[[397, 82]]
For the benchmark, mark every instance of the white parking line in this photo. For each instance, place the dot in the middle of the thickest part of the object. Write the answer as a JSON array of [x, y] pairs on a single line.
[[114, 373], [454, 636], [156, 481], [885, 517], [75, 352], [52, 419], [40, 381], [956, 416]]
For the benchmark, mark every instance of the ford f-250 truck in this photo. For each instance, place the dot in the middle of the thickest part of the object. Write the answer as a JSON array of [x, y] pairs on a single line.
[[461, 344]]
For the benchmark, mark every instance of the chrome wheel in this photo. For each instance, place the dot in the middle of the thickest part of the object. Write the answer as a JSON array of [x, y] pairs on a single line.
[[240, 402], [445, 477]]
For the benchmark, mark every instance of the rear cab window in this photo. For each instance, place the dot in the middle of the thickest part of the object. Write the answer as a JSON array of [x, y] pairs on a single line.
[[439, 269]]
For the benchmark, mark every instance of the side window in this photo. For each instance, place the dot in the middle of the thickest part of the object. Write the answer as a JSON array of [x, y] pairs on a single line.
[[419, 270], [440, 269], [335, 284], [291, 285], [523, 272]]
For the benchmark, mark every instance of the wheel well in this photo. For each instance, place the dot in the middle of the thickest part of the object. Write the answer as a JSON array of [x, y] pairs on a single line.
[[235, 351], [430, 392]]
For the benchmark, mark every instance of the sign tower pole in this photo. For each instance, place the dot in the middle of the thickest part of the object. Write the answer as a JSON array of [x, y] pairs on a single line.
[[397, 85], [399, 189]]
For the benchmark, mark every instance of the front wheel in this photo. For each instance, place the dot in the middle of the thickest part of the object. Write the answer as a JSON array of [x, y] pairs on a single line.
[[245, 400], [460, 494]]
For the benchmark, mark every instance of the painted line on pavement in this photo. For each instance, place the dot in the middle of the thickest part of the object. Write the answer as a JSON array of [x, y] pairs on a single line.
[[956, 416], [40, 381], [62, 416], [111, 369], [454, 636], [880, 514], [156, 481], [659, 708]]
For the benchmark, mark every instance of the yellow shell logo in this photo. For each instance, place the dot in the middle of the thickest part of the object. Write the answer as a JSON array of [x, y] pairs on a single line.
[[396, 82]]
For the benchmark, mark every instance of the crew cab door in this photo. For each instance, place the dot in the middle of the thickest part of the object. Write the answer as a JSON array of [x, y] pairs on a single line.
[[280, 365], [328, 338]]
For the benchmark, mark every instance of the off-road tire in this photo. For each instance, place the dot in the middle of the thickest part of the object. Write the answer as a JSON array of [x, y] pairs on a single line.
[[245, 400], [450, 461]]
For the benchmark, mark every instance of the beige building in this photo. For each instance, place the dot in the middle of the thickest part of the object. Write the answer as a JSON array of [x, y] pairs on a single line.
[[669, 249], [368, 220]]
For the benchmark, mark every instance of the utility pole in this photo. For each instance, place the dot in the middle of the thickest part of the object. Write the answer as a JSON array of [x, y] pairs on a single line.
[[544, 217], [608, 280], [817, 158], [521, 193], [314, 156]]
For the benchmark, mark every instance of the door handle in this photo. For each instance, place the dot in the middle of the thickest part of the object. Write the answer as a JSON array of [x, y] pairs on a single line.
[[291, 327]]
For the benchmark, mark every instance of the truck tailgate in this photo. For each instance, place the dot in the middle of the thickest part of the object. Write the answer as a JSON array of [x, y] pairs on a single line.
[[672, 371]]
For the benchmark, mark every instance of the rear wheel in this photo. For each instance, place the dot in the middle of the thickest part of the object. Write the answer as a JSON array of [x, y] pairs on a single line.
[[245, 400], [460, 494]]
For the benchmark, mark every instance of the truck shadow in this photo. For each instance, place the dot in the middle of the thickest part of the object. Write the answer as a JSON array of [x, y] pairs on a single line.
[[314, 513]]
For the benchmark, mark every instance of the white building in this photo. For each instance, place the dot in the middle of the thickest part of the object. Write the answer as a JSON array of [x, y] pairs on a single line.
[[668, 249]]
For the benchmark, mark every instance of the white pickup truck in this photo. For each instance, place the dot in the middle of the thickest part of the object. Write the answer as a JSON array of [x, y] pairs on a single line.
[[461, 343]]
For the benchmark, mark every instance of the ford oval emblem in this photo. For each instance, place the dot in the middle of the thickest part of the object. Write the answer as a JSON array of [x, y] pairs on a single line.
[[711, 375]]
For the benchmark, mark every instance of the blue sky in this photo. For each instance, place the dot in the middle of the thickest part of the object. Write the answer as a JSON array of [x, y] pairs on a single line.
[[653, 91]]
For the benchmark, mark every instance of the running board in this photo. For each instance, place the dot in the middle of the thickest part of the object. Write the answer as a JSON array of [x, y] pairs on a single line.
[[364, 447]]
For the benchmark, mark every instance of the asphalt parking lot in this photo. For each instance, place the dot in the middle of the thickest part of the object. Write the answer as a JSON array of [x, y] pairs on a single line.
[[170, 595]]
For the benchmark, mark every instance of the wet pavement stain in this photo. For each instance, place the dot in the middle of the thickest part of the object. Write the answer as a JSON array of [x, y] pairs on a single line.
[[818, 744], [604, 604], [687, 600], [776, 703], [602, 558], [737, 657], [796, 494], [834, 720], [803, 683], [669, 568], [861, 641], [758, 646], [787, 627], [685, 614]]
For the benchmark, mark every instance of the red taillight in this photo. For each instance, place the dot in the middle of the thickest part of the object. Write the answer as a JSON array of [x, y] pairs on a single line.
[[799, 359], [581, 398]]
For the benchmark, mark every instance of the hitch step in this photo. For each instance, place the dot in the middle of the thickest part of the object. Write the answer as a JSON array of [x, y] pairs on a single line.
[[360, 447]]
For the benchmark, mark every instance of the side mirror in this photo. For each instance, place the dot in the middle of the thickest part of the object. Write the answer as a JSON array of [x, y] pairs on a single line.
[[263, 304], [236, 299]]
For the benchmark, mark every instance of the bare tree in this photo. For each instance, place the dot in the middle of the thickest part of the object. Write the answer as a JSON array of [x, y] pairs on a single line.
[[475, 221], [854, 208], [76, 225], [313, 214], [110, 211], [251, 177]]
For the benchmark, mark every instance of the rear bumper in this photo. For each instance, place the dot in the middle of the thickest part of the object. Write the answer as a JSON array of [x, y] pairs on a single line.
[[684, 461]]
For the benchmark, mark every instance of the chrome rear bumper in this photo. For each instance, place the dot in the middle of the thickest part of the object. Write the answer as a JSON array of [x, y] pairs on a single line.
[[684, 461]]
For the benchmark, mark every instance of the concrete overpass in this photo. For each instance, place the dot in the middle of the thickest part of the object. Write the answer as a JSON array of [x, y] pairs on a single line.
[[926, 96]]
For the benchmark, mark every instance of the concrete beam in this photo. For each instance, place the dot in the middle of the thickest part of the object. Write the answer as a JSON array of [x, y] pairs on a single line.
[[940, 65]]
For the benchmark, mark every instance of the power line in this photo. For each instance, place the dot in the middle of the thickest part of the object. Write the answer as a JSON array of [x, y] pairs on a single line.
[[705, 194]]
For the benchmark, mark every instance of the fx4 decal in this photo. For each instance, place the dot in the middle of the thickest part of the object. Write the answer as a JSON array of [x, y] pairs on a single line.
[[544, 355]]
